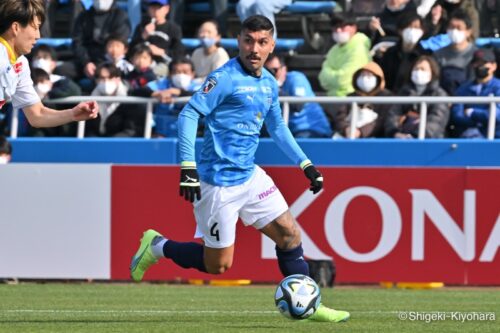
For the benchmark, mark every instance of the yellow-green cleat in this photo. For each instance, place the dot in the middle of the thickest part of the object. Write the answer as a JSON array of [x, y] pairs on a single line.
[[324, 314], [143, 258]]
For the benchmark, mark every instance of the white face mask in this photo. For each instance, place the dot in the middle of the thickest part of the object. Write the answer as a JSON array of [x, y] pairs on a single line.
[[107, 88], [366, 82], [182, 81], [412, 35], [4, 160], [42, 89], [341, 37], [42, 64], [456, 36], [420, 77], [103, 5]]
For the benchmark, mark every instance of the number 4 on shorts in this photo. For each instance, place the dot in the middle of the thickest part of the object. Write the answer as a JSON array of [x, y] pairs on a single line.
[[214, 231]]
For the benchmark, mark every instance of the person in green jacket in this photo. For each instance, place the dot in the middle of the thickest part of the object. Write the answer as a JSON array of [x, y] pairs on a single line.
[[350, 53]]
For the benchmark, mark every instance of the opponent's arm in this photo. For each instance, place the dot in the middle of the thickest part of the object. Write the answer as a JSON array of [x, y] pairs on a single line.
[[41, 116]]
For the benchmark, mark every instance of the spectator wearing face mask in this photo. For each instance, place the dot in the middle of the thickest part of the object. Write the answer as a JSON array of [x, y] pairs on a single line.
[[44, 58], [467, 6], [115, 119], [367, 81], [350, 53], [403, 120], [181, 82], [385, 25], [306, 120], [5, 150], [398, 59], [210, 55], [471, 120], [92, 29], [455, 58], [47, 88]]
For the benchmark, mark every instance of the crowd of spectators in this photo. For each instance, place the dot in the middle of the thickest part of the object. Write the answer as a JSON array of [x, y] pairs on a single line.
[[387, 56]]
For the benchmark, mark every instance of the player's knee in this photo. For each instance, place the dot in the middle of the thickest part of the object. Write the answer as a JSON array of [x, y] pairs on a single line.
[[217, 268]]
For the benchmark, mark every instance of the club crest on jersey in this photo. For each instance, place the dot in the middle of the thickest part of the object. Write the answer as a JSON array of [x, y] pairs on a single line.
[[18, 67], [209, 85]]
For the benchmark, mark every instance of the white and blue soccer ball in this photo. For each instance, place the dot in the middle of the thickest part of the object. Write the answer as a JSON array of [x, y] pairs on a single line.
[[297, 296]]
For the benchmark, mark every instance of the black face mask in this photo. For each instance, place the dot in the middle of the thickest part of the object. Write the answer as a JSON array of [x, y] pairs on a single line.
[[481, 72]]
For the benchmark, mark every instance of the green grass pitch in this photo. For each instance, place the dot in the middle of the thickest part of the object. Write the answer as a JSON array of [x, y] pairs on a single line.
[[129, 308]]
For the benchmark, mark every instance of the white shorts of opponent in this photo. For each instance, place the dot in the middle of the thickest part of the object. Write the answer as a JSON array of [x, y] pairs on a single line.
[[257, 202]]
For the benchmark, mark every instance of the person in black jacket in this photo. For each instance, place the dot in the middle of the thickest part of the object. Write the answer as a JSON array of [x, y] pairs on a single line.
[[91, 31], [163, 37], [398, 59]]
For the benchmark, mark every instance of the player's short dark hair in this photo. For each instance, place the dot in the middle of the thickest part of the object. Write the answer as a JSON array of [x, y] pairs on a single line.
[[460, 14], [22, 11], [5, 146], [44, 49], [179, 61], [257, 23], [111, 68], [39, 75]]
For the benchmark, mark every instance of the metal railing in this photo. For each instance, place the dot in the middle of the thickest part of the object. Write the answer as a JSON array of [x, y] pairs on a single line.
[[287, 100]]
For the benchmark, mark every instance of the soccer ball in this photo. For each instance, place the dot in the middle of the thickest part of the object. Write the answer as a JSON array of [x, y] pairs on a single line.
[[297, 296]]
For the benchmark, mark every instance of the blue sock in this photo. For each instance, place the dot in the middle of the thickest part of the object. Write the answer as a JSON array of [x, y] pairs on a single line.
[[292, 261], [186, 255]]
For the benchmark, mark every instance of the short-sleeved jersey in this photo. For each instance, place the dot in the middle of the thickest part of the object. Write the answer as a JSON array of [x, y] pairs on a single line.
[[15, 80], [236, 104]]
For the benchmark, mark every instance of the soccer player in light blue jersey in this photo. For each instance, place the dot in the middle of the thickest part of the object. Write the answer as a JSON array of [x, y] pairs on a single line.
[[235, 100]]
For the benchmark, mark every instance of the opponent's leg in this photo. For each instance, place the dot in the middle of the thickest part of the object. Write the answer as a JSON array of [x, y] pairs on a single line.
[[285, 233]]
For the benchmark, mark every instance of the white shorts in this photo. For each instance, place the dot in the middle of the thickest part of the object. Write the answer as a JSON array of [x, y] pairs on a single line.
[[257, 202]]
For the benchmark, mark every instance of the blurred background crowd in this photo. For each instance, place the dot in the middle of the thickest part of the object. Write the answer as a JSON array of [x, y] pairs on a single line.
[[165, 49]]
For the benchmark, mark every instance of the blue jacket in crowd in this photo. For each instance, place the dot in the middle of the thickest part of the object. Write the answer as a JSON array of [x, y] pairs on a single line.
[[475, 125], [306, 120]]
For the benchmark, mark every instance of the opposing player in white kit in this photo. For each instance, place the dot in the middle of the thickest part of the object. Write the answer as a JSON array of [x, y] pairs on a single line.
[[20, 22], [236, 100]]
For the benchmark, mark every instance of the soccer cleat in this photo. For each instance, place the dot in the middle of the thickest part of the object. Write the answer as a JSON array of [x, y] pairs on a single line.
[[144, 257], [324, 314]]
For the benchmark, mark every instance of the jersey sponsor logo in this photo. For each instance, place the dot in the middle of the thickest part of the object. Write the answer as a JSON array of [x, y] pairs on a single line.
[[18, 67], [245, 89], [209, 85], [267, 192], [266, 89]]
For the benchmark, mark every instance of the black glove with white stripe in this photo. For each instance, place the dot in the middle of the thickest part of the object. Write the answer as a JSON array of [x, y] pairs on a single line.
[[190, 182], [313, 175]]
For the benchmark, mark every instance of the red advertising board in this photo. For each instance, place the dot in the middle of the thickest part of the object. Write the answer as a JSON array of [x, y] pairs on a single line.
[[379, 224]]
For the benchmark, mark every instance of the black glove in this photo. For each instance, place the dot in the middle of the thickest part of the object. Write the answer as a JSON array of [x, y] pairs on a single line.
[[314, 176], [190, 183]]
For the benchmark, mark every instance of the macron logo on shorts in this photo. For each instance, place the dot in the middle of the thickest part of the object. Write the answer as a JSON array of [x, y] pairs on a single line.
[[268, 192]]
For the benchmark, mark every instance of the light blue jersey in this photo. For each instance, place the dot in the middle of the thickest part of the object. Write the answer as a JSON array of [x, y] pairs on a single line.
[[235, 104]]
